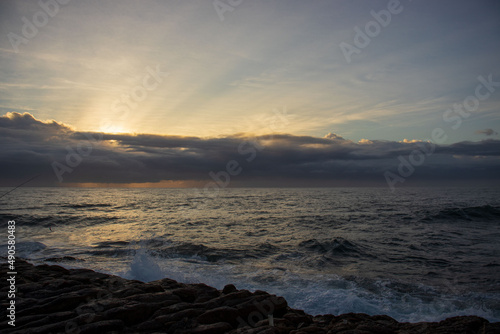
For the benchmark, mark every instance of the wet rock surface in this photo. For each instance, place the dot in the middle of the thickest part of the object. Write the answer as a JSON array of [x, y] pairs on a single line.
[[52, 299]]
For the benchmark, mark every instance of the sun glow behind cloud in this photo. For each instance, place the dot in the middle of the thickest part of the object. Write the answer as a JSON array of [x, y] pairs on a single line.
[[113, 129], [32, 147], [224, 77]]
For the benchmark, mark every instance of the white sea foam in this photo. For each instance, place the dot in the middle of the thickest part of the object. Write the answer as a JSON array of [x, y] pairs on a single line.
[[316, 294]]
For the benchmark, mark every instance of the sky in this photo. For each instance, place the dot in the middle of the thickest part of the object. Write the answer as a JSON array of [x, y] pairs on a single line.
[[324, 92]]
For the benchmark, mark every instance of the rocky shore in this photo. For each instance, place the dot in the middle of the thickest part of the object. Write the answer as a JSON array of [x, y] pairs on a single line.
[[52, 299]]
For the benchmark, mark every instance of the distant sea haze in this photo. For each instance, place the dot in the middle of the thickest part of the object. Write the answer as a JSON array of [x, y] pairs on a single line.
[[417, 254]]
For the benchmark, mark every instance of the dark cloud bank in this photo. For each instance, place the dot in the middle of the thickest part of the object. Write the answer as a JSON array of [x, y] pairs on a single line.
[[31, 147]]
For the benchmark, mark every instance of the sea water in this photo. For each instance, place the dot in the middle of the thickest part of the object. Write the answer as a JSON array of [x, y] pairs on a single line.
[[416, 254]]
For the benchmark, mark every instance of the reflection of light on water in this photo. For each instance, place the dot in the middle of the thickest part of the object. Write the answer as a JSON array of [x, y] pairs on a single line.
[[93, 235], [315, 247]]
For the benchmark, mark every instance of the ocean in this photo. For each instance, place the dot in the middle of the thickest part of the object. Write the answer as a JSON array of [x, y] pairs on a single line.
[[416, 254]]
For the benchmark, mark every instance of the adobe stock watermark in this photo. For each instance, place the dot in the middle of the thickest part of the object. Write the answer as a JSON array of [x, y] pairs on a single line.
[[247, 149], [120, 108], [371, 29], [74, 157], [128, 102], [223, 6], [88, 309], [30, 28], [264, 309], [455, 116]]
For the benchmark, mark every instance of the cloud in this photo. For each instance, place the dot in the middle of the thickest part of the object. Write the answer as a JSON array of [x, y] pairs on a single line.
[[31, 147], [408, 141], [26, 121], [333, 136], [24, 129], [487, 132]]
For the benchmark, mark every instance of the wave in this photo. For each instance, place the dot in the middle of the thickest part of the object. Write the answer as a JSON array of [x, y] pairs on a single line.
[[485, 212], [187, 249], [337, 246], [24, 249], [59, 220], [112, 253], [106, 244], [86, 206], [322, 294], [320, 254], [212, 254]]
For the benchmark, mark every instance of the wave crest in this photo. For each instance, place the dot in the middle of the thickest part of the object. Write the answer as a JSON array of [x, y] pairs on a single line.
[[484, 212], [331, 247]]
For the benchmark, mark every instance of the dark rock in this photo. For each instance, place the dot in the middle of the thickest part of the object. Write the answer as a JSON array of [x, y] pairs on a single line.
[[263, 305], [52, 299], [123, 293], [59, 283], [149, 326], [229, 288], [173, 309], [105, 304], [260, 330], [29, 287], [24, 303], [467, 324], [131, 314], [168, 284], [375, 328], [235, 298], [45, 294], [59, 269], [205, 293], [463, 325], [151, 288], [182, 326], [186, 294], [62, 303], [189, 313], [66, 326], [493, 328], [216, 328], [161, 299], [42, 320], [86, 276], [105, 326], [310, 329], [221, 314], [296, 318]]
